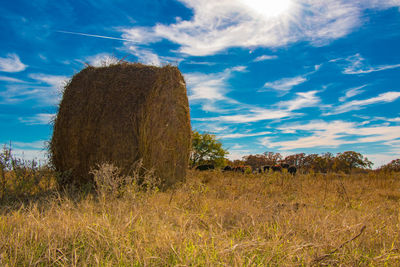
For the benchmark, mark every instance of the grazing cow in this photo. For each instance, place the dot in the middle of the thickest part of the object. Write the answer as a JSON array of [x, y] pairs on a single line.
[[242, 168], [238, 169], [266, 168], [285, 166], [277, 168], [205, 167], [292, 170], [227, 168]]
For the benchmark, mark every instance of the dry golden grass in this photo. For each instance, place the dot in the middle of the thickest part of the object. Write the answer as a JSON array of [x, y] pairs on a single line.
[[214, 219]]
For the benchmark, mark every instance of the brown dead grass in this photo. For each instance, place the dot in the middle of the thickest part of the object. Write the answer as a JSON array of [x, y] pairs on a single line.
[[215, 219]]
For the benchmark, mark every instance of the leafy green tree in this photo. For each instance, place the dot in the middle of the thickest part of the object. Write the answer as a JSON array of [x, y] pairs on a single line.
[[206, 149], [349, 160]]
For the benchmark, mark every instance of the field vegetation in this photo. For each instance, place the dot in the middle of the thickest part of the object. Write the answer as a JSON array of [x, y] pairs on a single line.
[[213, 219]]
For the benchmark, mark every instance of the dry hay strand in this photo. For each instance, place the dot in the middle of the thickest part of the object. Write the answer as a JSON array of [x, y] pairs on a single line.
[[120, 114]]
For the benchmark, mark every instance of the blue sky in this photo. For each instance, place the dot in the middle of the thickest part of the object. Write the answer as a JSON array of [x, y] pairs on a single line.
[[287, 76]]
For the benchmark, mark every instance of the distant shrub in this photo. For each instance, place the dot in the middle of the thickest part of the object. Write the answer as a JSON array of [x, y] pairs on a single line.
[[21, 178], [111, 182]]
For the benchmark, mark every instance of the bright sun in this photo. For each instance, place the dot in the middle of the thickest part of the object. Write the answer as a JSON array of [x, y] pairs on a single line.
[[268, 8]]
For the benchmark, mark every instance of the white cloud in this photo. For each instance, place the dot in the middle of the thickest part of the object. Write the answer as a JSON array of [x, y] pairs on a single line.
[[207, 89], [358, 65], [212, 90], [237, 146], [191, 62], [39, 155], [352, 92], [46, 90], [242, 135], [380, 159], [207, 86], [265, 57], [252, 115], [43, 57], [238, 69], [140, 35], [303, 100], [359, 104], [11, 63], [208, 127], [382, 4], [323, 134], [38, 119], [394, 119], [218, 25], [55, 81], [10, 79], [237, 154], [32, 145], [31, 151], [285, 84], [145, 56]]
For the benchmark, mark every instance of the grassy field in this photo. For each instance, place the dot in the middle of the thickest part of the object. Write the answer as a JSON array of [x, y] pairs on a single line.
[[217, 219]]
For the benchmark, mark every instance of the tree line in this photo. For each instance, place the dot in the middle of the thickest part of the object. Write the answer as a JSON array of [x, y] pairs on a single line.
[[207, 149]]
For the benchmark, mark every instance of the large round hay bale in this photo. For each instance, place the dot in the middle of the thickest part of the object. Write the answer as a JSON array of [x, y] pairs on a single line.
[[120, 114]]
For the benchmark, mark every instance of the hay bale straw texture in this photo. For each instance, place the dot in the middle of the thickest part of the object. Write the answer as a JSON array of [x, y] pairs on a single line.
[[120, 114]]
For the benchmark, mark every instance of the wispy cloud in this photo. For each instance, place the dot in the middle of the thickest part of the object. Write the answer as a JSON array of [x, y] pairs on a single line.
[[252, 115], [359, 104], [237, 154], [31, 150], [302, 100], [265, 57], [31, 145], [45, 89], [322, 134], [207, 89], [11, 63], [55, 81], [380, 159], [40, 155], [145, 56], [191, 62], [283, 109], [38, 119], [10, 79], [352, 92], [237, 146], [218, 25], [285, 84], [358, 65], [140, 35], [242, 135]]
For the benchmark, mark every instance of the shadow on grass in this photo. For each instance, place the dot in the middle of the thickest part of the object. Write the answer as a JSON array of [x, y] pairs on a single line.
[[12, 203]]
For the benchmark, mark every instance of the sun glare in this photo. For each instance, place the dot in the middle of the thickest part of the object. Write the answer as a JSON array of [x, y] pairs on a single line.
[[268, 8]]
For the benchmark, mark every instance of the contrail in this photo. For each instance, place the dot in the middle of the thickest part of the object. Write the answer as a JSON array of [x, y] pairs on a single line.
[[97, 36]]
